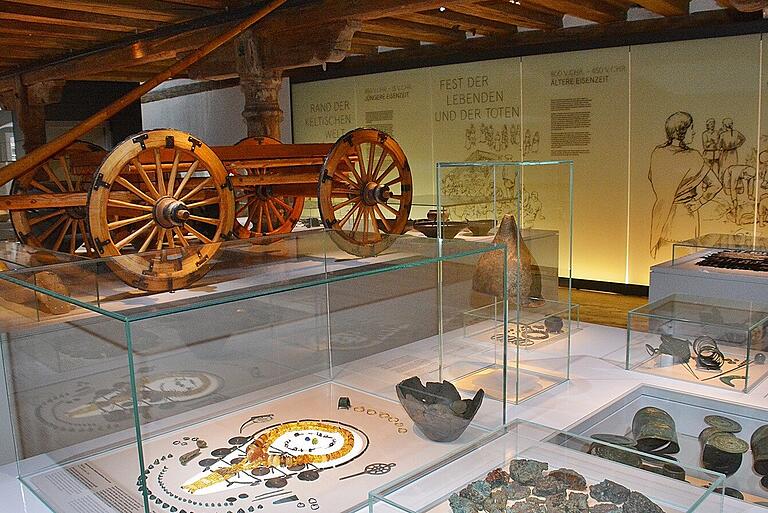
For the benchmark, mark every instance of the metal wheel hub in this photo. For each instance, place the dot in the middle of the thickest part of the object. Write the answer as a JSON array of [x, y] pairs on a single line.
[[77, 213], [170, 212], [373, 193], [264, 192]]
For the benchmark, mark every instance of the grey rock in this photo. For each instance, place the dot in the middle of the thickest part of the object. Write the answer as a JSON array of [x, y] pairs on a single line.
[[605, 507], [477, 491], [577, 502], [639, 503], [608, 491], [496, 501], [461, 504], [516, 491], [527, 471], [548, 485], [437, 408], [571, 478], [525, 507]]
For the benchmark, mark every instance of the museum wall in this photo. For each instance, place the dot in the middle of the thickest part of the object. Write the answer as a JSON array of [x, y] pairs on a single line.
[[607, 109], [213, 116]]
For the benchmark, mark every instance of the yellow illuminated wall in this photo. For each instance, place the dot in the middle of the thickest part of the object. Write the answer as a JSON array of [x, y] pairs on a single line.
[[610, 110]]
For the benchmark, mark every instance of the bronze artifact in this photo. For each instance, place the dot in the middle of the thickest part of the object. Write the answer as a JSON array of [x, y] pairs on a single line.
[[654, 430], [759, 444], [677, 348], [723, 453], [523, 277], [437, 408], [723, 424]]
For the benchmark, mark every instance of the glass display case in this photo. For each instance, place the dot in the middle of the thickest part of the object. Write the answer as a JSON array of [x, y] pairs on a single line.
[[528, 467], [528, 206], [288, 372], [693, 418], [717, 342], [723, 251]]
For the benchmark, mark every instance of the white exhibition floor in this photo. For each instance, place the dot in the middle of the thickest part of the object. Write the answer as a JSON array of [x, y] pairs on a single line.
[[597, 378]]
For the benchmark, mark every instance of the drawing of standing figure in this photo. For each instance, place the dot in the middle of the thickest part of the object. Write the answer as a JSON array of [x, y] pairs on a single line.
[[710, 141], [730, 141], [682, 182]]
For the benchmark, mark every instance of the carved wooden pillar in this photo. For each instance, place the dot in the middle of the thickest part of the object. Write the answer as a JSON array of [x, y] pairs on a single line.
[[261, 88], [29, 104]]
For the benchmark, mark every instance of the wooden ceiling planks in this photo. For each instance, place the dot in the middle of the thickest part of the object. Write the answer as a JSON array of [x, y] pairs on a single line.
[[43, 39]]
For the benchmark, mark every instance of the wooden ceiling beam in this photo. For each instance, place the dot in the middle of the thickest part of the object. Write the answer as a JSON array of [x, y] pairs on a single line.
[[55, 16], [412, 30], [40, 41], [512, 14], [206, 4], [666, 7], [368, 38], [593, 10], [32, 29], [461, 21], [152, 10], [361, 49]]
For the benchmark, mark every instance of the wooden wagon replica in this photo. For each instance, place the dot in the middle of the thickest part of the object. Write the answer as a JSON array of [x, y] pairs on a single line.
[[170, 200]]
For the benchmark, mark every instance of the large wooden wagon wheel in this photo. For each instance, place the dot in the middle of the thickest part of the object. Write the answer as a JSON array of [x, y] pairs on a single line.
[[263, 212], [56, 228], [171, 191], [365, 191]]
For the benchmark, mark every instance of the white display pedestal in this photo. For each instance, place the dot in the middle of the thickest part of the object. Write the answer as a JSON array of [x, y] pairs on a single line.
[[685, 277]]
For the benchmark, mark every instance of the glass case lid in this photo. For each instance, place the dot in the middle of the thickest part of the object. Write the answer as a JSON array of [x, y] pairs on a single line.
[[228, 272], [737, 241], [707, 311]]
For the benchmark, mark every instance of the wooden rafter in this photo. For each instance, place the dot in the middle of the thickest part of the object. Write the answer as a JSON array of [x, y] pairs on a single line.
[[413, 30], [368, 38], [55, 16], [461, 21], [512, 14], [153, 10], [599, 11]]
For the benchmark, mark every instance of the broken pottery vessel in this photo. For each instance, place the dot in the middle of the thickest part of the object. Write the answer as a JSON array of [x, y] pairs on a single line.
[[437, 408]]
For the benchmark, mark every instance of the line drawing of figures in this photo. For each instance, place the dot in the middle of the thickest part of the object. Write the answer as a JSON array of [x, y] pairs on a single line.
[[730, 140], [527, 142], [682, 182], [710, 141], [535, 142], [470, 137]]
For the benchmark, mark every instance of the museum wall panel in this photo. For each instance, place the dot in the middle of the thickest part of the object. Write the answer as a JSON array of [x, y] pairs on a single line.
[[606, 109]]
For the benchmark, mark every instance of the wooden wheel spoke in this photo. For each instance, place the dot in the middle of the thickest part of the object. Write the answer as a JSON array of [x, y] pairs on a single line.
[[182, 237], [344, 204], [371, 155], [47, 168], [351, 211], [379, 163], [187, 176], [33, 221], [199, 187], [207, 220], [386, 172], [145, 178], [135, 190], [376, 230], [86, 239], [390, 209], [40, 186], [210, 201], [47, 233], [358, 217], [360, 161], [261, 211], [73, 239], [354, 172], [269, 218], [365, 223], [161, 238], [127, 240], [198, 235], [131, 206], [271, 205], [67, 177], [148, 240], [383, 219], [283, 204], [393, 181], [174, 172], [169, 237], [125, 222], [344, 179], [159, 175], [62, 233]]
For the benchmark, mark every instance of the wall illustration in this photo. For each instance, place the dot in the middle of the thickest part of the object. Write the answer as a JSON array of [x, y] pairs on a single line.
[[693, 145], [677, 157]]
